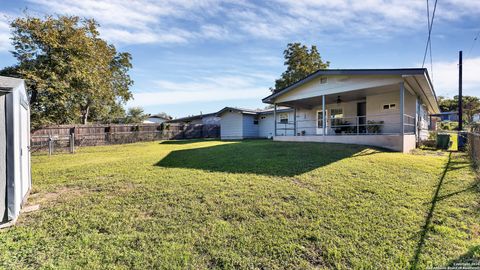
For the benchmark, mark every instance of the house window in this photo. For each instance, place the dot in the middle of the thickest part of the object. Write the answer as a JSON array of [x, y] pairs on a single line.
[[255, 121], [336, 113], [323, 80], [283, 118], [390, 106]]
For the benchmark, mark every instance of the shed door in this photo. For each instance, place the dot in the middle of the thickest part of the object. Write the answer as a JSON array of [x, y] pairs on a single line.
[[3, 162], [24, 150]]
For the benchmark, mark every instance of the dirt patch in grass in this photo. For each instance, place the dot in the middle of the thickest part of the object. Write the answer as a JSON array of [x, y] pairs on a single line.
[[60, 194]]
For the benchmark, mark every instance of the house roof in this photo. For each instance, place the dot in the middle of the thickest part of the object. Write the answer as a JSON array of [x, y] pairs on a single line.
[[240, 110], [7, 83], [191, 118], [158, 116], [326, 72], [252, 112]]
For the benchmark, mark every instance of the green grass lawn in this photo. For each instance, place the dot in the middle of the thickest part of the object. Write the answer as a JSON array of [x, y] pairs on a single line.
[[251, 205]]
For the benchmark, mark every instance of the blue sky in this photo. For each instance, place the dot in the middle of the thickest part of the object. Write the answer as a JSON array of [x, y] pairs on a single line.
[[199, 56]]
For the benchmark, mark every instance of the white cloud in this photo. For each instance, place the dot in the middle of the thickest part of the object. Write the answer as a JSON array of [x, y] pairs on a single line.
[[181, 21], [137, 22], [218, 88], [445, 79], [4, 33]]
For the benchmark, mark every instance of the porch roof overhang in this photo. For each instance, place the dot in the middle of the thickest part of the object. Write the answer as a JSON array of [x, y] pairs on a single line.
[[417, 80]]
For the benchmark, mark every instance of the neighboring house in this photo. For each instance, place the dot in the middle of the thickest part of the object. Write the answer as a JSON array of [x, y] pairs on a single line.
[[380, 107], [15, 176], [156, 119], [238, 123], [476, 117], [205, 119], [447, 116]]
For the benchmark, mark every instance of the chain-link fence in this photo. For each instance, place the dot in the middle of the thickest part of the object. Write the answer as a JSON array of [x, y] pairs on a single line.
[[473, 147]]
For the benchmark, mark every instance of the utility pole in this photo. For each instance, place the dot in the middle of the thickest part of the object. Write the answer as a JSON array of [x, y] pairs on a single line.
[[460, 96]]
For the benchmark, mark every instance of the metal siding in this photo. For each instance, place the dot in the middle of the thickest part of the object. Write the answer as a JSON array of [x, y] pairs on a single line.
[[265, 126], [3, 162], [11, 157], [249, 129], [231, 126]]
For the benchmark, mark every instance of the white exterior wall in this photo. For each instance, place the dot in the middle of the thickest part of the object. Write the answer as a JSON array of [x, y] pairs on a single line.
[[392, 142], [250, 130], [231, 126], [265, 126]]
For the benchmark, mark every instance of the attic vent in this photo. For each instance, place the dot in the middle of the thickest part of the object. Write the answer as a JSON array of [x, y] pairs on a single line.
[[323, 80]]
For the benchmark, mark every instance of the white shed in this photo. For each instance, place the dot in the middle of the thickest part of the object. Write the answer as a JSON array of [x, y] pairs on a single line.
[[15, 176]]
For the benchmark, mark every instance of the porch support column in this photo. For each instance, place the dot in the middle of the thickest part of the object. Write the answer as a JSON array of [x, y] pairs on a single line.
[[324, 121], [402, 101], [294, 121], [415, 123], [274, 120]]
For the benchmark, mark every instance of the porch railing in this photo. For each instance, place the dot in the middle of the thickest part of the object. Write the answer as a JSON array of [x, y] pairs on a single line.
[[377, 124]]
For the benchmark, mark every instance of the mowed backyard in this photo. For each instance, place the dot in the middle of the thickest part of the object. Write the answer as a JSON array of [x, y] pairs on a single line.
[[250, 204]]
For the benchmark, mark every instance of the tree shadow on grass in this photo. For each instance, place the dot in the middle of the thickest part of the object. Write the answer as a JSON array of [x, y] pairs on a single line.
[[428, 220], [263, 157], [187, 141], [471, 258]]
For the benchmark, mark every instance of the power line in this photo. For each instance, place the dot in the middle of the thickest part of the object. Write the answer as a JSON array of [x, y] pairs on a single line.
[[429, 33], [430, 43], [473, 44]]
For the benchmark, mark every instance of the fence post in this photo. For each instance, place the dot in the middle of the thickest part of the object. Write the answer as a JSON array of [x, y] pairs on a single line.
[[107, 132], [50, 145], [72, 143]]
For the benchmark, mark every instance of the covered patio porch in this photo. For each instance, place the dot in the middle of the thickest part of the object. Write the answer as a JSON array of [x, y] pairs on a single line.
[[382, 116]]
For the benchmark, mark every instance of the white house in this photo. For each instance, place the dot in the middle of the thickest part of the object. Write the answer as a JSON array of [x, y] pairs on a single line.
[[156, 119], [380, 107], [15, 177]]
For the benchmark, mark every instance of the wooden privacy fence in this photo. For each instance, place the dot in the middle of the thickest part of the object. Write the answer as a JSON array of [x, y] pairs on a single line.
[[67, 137]]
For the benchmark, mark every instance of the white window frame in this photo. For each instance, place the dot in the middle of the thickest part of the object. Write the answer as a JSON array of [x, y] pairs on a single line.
[[283, 116], [333, 116], [389, 106]]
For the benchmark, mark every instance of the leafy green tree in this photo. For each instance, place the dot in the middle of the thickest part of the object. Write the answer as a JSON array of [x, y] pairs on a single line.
[[471, 106], [301, 62], [71, 74], [135, 115]]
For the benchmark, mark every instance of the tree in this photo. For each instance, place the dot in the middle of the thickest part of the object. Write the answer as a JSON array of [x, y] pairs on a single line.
[[71, 74], [300, 62], [471, 106], [135, 115]]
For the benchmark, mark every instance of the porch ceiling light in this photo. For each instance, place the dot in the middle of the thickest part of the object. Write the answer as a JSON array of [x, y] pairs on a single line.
[[339, 100]]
